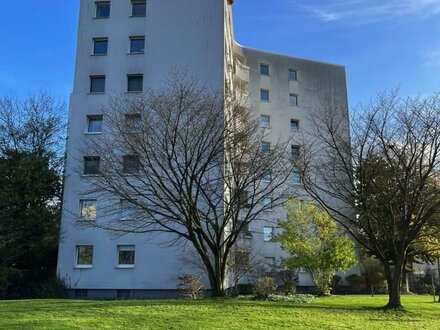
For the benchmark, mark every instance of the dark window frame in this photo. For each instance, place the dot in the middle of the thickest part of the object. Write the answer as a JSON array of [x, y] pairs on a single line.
[[137, 5], [93, 84], [133, 80], [106, 8], [91, 165]]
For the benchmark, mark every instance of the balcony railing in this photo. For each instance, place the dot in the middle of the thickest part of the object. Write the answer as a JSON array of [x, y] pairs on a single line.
[[241, 71]]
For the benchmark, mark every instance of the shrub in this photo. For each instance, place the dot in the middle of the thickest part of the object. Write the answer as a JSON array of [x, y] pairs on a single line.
[[264, 287], [53, 287], [422, 283], [287, 279], [374, 275], [190, 286], [357, 282], [295, 298], [336, 281]]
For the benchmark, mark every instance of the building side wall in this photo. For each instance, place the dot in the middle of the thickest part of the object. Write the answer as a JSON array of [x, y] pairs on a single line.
[[187, 36], [314, 80]]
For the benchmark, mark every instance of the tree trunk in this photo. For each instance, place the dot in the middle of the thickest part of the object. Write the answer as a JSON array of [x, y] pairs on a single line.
[[438, 270], [405, 282], [217, 279], [394, 280]]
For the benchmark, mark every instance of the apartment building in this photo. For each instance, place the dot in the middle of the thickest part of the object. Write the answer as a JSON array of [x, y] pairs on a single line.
[[125, 46]]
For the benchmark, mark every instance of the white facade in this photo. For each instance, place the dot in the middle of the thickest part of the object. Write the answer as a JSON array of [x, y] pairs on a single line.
[[195, 36]]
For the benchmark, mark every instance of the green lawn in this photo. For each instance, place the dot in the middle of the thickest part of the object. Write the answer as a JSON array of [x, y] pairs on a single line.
[[338, 312]]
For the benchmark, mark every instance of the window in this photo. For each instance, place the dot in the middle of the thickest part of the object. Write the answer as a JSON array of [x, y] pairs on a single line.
[[267, 176], [97, 84], [267, 234], [137, 45], [244, 229], [242, 259], [265, 121], [293, 74], [264, 95], [87, 209], [102, 9], [264, 69], [133, 122], [265, 147], [295, 151], [294, 125], [100, 46], [296, 178], [128, 210], [91, 165], [243, 199], [270, 262], [130, 164], [84, 256], [293, 99], [267, 202], [138, 8], [135, 82], [126, 256], [94, 124]]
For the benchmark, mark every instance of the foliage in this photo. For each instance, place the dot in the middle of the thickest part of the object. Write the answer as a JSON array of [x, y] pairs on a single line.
[[357, 282], [374, 276], [381, 182], [422, 283], [30, 195], [315, 243], [294, 298], [191, 286], [330, 313], [264, 288], [287, 280]]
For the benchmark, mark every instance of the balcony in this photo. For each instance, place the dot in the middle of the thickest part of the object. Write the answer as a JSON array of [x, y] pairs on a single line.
[[241, 72]]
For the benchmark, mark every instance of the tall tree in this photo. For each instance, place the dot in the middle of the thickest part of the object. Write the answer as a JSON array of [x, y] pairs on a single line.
[[314, 242], [31, 132], [192, 163], [383, 186]]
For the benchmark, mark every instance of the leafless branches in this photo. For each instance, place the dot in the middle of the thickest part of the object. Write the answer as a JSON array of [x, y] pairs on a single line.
[[191, 161], [384, 187]]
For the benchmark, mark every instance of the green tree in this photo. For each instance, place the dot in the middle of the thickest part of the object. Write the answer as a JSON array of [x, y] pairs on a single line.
[[315, 243], [31, 132]]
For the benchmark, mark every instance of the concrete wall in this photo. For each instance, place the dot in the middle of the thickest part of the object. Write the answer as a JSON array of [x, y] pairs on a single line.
[[313, 80], [182, 35], [196, 36]]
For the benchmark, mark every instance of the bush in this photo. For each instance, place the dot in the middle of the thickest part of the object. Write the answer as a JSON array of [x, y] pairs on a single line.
[[287, 280], [190, 286], [264, 287], [51, 288], [422, 283], [374, 276], [357, 282], [336, 281], [295, 298]]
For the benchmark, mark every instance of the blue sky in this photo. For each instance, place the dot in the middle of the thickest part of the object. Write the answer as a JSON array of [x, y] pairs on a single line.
[[383, 43]]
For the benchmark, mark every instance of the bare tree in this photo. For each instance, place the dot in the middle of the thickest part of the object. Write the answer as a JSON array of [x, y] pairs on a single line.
[[191, 161], [383, 185]]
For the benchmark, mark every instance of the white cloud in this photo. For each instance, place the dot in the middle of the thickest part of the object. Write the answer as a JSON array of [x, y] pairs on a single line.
[[369, 11]]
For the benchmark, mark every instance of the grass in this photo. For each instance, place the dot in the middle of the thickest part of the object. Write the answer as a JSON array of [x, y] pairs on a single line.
[[337, 312]]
